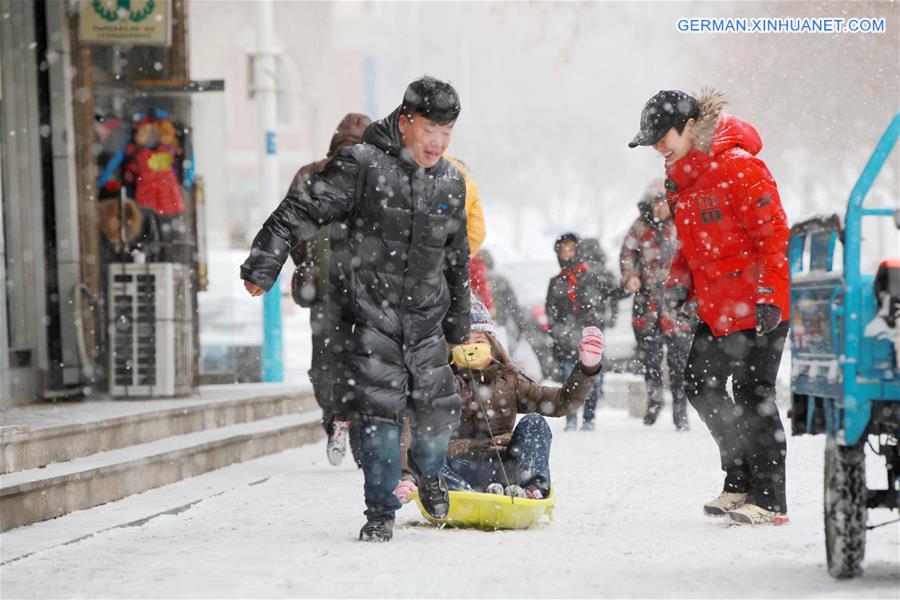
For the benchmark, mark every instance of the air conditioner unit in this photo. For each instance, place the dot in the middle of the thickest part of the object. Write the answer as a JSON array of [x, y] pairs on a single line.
[[151, 330]]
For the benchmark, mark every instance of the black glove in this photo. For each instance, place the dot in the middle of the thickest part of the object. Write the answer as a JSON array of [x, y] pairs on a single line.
[[675, 297], [768, 316]]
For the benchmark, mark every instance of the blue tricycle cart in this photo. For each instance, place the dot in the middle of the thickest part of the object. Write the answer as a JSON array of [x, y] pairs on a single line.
[[845, 377]]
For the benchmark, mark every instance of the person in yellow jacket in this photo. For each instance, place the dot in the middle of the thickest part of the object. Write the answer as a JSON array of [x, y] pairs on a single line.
[[476, 233], [474, 215]]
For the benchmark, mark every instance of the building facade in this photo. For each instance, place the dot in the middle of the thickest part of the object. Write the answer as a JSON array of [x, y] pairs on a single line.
[[60, 83]]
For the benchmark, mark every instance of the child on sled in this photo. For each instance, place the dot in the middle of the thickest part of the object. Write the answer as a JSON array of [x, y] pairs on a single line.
[[489, 452]]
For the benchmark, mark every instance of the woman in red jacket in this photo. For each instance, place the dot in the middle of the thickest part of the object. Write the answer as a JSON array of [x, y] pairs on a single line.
[[732, 259]]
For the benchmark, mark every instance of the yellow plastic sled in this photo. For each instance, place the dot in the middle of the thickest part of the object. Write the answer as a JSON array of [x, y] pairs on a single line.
[[491, 511]]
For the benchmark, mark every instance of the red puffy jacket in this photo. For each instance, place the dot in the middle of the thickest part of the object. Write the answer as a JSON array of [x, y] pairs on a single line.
[[478, 282], [732, 229]]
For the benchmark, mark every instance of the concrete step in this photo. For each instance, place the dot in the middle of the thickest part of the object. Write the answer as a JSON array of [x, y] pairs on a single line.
[[38, 494], [43, 435]]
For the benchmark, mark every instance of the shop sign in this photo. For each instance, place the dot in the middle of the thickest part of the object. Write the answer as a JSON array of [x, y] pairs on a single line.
[[126, 22]]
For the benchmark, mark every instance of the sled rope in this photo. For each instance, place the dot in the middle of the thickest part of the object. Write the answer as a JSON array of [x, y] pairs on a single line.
[[869, 527], [488, 423]]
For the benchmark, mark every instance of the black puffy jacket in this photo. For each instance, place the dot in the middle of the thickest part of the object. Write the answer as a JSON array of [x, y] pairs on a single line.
[[576, 298], [400, 274]]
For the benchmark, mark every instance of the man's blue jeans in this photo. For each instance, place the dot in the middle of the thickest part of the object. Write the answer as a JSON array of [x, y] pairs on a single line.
[[590, 403], [526, 460], [380, 443]]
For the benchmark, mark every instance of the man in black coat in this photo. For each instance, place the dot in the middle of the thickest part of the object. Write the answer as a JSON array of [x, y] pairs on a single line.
[[400, 274]]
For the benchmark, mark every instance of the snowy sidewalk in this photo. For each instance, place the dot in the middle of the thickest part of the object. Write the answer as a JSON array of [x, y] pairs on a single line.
[[628, 524]]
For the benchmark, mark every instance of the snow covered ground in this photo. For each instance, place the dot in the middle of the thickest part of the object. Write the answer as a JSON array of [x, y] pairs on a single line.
[[628, 524]]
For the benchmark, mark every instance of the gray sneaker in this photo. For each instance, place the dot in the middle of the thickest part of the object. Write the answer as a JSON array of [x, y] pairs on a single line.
[[750, 514], [495, 488], [724, 503], [515, 491], [336, 449]]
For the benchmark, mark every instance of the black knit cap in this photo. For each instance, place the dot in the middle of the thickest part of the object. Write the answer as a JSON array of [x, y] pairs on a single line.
[[564, 239], [665, 110], [432, 98]]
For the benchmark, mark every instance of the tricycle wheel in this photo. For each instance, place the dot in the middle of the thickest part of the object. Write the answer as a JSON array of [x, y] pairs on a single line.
[[845, 508]]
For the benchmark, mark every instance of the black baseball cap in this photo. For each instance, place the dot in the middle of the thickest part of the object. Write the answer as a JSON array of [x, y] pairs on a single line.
[[665, 110]]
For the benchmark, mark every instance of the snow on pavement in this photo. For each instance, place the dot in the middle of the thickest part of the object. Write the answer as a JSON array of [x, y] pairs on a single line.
[[628, 523]]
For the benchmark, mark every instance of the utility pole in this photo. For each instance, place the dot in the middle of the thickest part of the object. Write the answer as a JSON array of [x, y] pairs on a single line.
[[265, 89]]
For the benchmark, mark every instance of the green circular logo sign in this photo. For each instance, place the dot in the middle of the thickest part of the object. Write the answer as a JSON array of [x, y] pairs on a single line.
[[131, 10]]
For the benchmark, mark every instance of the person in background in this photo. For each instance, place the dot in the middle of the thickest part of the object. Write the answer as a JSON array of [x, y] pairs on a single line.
[[310, 289], [732, 258], [476, 232], [567, 316], [507, 313], [481, 287], [526, 342], [602, 287], [475, 228], [646, 256], [596, 298]]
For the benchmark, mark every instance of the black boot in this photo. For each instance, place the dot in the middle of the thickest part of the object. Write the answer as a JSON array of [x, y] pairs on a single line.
[[652, 413], [435, 496], [654, 406], [378, 529], [681, 421], [679, 414], [433, 493]]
